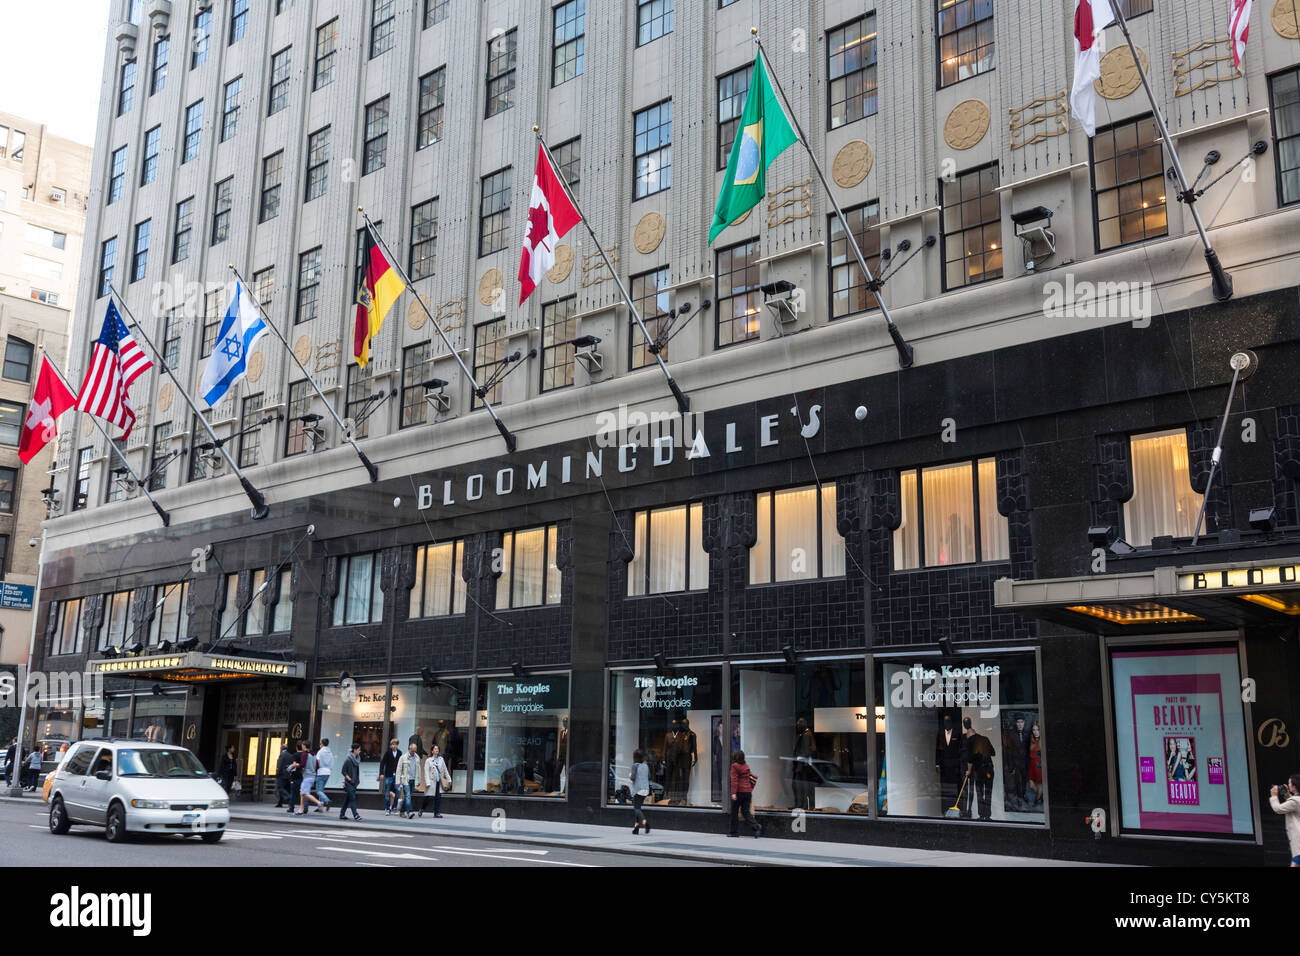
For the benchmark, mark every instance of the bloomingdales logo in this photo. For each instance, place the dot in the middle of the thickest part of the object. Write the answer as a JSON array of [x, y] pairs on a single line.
[[948, 686]]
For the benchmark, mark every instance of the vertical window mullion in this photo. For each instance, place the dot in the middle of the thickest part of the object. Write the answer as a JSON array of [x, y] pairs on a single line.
[[920, 519], [975, 498]]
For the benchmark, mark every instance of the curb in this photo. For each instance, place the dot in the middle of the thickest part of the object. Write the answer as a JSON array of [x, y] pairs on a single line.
[[537, 841]]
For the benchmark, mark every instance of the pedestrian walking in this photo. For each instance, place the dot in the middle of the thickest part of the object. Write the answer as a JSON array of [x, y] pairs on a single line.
[[640, 790], [295, 777], [226, 770], [410, 774], [1287, 802], [324, 767], [742, 794], [308, 784], [34, 767], [388, 776], [351, 780], [11, 755], [282, 773], [436, 779]]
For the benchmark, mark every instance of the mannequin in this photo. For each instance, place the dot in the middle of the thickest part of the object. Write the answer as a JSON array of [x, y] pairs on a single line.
[[805, 786], [720, 764], [562, 756], [1015, 762], [947, 761], [679, 753]]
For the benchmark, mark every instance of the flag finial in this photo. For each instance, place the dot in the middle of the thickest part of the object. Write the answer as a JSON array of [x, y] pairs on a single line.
[[537, 129], [753, 31]]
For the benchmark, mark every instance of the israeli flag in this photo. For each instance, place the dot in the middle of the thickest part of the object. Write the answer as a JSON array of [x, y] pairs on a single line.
[[240, 330]]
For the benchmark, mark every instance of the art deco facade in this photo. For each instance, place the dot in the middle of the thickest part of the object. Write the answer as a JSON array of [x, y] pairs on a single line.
[[829, 528]]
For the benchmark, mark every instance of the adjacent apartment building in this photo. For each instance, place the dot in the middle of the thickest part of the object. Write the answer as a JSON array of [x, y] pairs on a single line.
[[858, 573]]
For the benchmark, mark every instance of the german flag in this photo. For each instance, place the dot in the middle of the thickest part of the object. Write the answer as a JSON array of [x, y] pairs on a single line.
[[376, 294]]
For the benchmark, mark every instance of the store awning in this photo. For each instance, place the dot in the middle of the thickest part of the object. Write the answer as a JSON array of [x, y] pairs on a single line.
[[1162, 599], [194, 667]]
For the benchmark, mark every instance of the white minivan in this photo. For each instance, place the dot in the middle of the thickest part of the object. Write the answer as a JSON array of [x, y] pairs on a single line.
[[130, 786]]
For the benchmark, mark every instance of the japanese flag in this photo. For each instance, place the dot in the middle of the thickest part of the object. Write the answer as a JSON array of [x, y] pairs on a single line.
[[1091, 17]]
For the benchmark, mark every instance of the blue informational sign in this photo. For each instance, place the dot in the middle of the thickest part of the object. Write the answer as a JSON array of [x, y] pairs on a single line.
[[16, 596]]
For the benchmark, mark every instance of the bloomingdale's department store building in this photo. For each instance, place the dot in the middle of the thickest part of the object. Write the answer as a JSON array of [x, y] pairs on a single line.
[[693, 598]]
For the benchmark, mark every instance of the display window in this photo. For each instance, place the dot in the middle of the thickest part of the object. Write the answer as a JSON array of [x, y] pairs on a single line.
[[804, 733], [961, 738], [420, 714], [158, 719], [675, 719], [523, 735], [1181, 740], [119, 716]]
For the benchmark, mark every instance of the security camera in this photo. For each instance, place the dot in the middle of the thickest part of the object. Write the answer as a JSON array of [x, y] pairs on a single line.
[[33, 542]]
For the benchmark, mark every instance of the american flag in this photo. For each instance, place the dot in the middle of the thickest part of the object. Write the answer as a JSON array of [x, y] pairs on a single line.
[[116, 362]]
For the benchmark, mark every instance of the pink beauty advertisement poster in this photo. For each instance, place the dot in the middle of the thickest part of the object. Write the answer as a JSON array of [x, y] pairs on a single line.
[[1180, 741]]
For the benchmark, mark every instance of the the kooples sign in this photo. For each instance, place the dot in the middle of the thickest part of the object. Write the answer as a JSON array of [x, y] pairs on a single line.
[[661, 692], [624, 459]]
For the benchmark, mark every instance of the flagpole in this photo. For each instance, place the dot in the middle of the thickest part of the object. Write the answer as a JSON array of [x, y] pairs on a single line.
[[260, 510], [166, 518], [270, 324], [683, 401], [511, 441], [1221, 282], [906, 355]]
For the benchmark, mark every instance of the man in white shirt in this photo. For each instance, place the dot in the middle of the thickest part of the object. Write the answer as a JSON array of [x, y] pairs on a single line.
[[324, 764]]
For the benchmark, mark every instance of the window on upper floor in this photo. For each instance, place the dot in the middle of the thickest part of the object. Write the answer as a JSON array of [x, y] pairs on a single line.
[[439, 584], [950, 516], [966, 36], [18, 359], [382, 19], [81, 487], [653, 299], [107, 262], [318, 157], [1128, 181], [429, 123], [972, 228], [435, 11], [568, 40], [172, 324], [654, 18], [200, 36], [272, 177], [46, 237], [117, 620], [489, 354], [851, 69], [238, 20], [116, 174], [230, 108], [262, 617], [140, 253], [327, 42], [222, 201], [739, 303], [732, 90], [264, 287], [296, 440], [308, 286], [360, 600], [1284, 91], [529, 575], [8, 485], [1135, 8], [652, 130], [193, 131], [69, 636], [559, 328], [149, 168], [494, 212], [848, 286], [417, 368], [181, 231], [156, 477], [359, 398], [197, 456], [501, 73], [796, 538], [424, 239], [126, 88], [1163, 501], [568, 162], [212, 318], [250, 437], [281, 65], [158, 71], [376, 141], [668, 551], [171, 620]]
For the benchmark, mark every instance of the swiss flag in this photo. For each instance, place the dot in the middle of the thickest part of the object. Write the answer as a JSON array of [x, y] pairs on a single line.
[[50, 399], [550, 215]]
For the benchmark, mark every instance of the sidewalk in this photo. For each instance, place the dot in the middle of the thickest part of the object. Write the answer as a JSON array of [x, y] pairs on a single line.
[[677, 844]]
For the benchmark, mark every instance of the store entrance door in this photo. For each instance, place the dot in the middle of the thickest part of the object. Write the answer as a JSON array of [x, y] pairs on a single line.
[[257, 749]]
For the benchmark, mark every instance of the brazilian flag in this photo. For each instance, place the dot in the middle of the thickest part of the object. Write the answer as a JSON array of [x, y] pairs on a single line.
[[764, 134]]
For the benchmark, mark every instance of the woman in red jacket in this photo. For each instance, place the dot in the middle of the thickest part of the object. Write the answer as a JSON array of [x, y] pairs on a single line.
[[742, 792]]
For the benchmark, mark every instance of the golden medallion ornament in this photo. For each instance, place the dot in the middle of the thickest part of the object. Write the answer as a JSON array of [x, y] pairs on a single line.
[[1119, 74], [852, 164], [302, 348], [490, 286], [416, 317], [1286, 19], [256, 365], [649, 233], [966, 124], [165, 397], [563, 264]]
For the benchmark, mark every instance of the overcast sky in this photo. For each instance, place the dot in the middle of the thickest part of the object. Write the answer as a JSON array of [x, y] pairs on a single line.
[[53, 51]]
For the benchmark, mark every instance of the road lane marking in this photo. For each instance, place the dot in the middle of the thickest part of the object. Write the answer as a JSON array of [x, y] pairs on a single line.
[[485, 853], [389, 856], [367, 863], [503, 850], [250, 835]]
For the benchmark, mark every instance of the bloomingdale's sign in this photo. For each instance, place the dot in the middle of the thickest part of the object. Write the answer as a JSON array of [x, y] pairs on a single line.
[[621, 458]]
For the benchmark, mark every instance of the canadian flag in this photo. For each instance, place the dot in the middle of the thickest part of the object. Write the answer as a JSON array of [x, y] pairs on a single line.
[[550, 216], [50, 399], [1239, 28], [1091, 17]]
